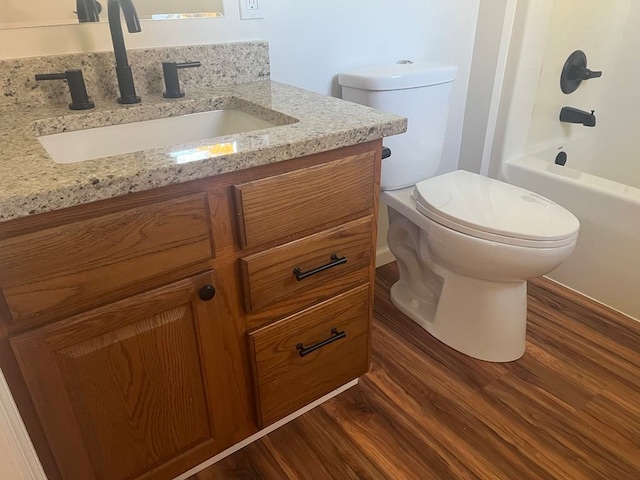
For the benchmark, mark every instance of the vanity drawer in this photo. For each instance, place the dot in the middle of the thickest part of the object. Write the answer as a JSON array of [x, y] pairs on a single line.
[[67, 269], [315, 262], [276, 207], [289, 373]]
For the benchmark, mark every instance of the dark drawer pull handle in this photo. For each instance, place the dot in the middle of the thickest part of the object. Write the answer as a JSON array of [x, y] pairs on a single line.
[[335, 261], [336, 335]]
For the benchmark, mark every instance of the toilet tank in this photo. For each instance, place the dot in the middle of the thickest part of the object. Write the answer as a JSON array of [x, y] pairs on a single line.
[[417, 90]]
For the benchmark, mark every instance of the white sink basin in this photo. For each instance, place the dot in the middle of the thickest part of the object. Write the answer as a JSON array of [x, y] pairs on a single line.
[[92, 143]]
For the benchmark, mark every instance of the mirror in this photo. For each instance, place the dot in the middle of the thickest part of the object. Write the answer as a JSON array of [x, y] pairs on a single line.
[[39, 13]]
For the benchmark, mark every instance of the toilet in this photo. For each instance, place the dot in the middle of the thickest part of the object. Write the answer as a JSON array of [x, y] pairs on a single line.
[[465, 244]]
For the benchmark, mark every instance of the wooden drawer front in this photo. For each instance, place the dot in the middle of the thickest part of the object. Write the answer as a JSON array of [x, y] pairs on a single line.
[[276, 207], [269, 275], [67, 269], [286, 381]]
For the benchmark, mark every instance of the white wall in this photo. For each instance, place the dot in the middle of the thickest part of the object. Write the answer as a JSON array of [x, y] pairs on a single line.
[[18, 460]]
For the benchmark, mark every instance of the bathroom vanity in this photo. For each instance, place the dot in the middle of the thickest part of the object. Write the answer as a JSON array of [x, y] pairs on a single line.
[[158, 307]]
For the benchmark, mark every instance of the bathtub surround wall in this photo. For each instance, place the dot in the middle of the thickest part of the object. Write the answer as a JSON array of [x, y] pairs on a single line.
[[594, 27], [619, 115], [600, 181]]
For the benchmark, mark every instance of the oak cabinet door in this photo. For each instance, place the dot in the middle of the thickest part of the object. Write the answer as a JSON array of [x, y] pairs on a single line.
[[134, 389]]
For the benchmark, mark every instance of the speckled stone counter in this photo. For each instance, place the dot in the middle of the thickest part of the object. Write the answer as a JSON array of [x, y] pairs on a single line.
[[306, 123]]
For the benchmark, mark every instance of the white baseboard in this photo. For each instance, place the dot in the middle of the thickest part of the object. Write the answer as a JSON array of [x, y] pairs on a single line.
[[384, 256], [265, 431]]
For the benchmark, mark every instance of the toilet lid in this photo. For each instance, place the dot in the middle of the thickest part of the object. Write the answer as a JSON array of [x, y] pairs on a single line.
[[477, 205]]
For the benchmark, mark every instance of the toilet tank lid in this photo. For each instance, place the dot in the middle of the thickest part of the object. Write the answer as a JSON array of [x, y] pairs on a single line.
[[398, 76]]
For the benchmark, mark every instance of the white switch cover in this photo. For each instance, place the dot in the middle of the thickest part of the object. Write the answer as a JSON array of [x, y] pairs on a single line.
[[251, 9]]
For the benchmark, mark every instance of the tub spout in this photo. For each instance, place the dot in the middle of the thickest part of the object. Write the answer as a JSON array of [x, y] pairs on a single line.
[[574, 115]]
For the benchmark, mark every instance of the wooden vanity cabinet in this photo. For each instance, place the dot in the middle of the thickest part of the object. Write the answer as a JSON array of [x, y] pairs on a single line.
[[142, 335]]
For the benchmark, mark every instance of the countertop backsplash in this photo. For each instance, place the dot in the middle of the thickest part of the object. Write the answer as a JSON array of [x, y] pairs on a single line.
[[222, 64]]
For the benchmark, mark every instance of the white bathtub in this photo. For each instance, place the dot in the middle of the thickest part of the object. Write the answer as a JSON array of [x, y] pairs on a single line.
[[606, 263]]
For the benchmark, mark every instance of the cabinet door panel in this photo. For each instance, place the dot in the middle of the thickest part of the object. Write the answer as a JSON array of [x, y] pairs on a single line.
[[120, 379], [130, 384]]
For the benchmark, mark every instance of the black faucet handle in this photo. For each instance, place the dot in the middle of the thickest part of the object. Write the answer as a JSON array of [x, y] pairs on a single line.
[[575, 71], [582, 73], [77, 89], [188, 64], [171, 79]]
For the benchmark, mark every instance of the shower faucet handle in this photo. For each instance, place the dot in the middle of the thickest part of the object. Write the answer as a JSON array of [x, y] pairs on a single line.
[[583, 73], [575, 71]]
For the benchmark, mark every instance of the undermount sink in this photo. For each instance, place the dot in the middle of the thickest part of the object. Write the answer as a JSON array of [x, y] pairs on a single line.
[[88, 144]]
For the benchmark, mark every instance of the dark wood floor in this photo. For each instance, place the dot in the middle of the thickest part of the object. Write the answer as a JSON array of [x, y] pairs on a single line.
[[569, 409]]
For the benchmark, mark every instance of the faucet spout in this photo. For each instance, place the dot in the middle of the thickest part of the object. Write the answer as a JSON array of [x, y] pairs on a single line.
[[123, 69], [574, 115]]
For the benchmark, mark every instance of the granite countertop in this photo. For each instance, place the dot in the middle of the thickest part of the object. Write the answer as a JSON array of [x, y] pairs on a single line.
[[232, 76], [31, 182]]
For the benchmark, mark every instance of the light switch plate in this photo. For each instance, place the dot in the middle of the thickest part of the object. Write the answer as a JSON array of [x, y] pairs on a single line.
[[251, 9]]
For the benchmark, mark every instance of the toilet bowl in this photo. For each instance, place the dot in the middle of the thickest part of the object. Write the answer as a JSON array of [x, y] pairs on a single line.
[[465, 244], [463, 276]]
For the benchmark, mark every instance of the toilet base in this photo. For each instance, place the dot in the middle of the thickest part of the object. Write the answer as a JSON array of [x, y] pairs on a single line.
[[483, 319]]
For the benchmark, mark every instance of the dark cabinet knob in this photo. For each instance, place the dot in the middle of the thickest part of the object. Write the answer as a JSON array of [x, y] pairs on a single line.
[[207, 292]]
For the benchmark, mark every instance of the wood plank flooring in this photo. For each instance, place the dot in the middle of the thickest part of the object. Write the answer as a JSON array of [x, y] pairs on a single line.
[[569, 409]]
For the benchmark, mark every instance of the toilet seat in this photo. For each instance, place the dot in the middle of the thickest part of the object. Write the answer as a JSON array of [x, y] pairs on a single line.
[[492, 210]]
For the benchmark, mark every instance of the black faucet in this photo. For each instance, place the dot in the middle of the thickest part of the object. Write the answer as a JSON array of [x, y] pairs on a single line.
[[123, 70], [574, 115]]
